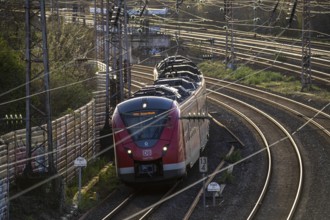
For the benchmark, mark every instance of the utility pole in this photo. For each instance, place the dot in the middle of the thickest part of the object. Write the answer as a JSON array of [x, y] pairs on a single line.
[[127, 60], [116, 50], [95, 17], [306, 47], [230, 56], [99, 28], [35, 22], [120, 51], [107, 57], [271, 19], [255, 18]]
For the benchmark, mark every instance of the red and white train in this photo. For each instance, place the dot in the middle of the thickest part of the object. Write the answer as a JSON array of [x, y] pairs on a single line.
[[160, 132]]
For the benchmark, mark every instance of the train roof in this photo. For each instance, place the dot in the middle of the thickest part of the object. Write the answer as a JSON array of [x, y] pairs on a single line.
[[178, 79], [159, 90], [188, 85], [175, 66]]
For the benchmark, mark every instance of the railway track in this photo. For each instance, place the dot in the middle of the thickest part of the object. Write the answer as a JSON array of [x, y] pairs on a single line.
[[269, 59], [318, 117], [140, 204], [282, 186], [302, 117], [147, 213], [275, 52], [319, 47], [278, 167], [283, 57], [284, 191]]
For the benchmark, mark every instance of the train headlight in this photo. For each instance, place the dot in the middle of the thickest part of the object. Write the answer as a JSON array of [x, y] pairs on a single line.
[[129, 152], [165, 149]]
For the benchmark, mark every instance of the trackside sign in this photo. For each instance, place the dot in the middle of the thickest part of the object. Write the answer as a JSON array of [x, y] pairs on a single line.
[[213, 187], [80, 162]]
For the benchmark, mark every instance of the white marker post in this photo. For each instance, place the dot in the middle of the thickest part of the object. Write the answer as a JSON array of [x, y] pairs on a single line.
[[214, 188], [79, 162]]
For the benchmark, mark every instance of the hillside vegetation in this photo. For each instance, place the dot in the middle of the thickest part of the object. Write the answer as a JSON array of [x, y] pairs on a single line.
[[273, 81], [71, 82]]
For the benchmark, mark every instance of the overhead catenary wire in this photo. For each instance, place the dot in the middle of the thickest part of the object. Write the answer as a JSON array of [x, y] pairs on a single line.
[[19, 99], [11, 101], [197, 182]]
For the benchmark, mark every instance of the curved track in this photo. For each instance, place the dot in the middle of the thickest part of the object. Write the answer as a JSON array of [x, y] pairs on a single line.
[[282, 194], [284, 178], [140, 204], [302, 114], [283, 181], [266, 51]]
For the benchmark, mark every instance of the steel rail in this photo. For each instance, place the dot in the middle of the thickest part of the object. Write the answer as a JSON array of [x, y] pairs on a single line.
[[209, 179], [269, 98], [289, 137], [256, 207], [119, 207], [276, 64]]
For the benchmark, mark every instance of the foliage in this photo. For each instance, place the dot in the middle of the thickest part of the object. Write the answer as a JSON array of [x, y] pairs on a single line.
[[87, 174], [75, 81], [12, 25], [69, 95], [71, 83], [243, 74], [11, 83], [226, 177], [234, 157], [69, 41], [214, 69], [107, 182], [92, 169], [274, 81]]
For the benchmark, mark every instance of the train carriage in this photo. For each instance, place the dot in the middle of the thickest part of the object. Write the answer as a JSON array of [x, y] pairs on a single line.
[[160, 132]]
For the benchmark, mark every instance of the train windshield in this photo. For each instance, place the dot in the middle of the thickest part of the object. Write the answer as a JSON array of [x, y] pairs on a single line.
[[145, 125]]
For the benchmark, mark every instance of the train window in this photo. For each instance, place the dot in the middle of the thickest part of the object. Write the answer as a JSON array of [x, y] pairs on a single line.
[[145, 125]]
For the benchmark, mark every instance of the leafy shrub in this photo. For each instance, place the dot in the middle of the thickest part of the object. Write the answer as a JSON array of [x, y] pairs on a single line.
[[234, 157], [226, 178]]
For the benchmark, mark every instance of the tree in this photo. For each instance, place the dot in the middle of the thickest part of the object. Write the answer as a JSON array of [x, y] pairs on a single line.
[[68, 42], [12, 83]]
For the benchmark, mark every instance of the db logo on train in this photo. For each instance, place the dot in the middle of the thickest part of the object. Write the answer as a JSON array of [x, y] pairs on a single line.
[[147, 153]]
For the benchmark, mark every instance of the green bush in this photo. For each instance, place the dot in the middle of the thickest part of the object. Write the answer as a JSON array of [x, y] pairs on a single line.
[[243, 74], [234, 157], [226, 178], [106, 183]]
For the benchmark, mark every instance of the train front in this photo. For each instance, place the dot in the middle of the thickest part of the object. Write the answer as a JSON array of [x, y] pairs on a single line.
[[148, 140]]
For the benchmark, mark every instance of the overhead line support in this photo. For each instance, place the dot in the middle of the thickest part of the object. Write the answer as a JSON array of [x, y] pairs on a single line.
[[31, 17], [306, 47], [229, 55]]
